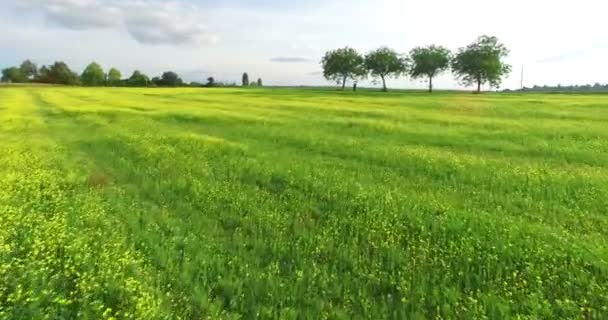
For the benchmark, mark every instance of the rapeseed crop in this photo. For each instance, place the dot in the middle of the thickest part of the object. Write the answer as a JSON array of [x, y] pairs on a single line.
[[285, 203]]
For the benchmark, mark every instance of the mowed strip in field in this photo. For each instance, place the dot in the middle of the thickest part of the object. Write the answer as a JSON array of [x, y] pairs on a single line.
[[285, 203]]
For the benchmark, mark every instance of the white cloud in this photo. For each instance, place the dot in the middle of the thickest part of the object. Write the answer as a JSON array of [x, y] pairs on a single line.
[[75, 14], [148, 22], [165, 22]]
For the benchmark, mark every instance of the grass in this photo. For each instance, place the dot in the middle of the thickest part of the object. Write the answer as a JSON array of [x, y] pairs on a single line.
[[302, 204]]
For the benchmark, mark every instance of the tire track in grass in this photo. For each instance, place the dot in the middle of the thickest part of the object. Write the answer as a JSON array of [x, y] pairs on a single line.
[[149, 226], [564, 220], [532, 186], [156, 233], [344, 157], [412, 167], [148, 160], [470, 138], [59, 258], [291, 142], [388, 263]]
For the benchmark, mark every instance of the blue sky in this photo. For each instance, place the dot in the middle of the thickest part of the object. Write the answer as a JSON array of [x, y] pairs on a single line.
[[283, 41]]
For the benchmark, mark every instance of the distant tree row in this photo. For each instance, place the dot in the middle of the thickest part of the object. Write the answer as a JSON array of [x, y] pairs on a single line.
[[598, 87], [246, 83], [211, 82], [58, 73], [476, 64], [93, 75]]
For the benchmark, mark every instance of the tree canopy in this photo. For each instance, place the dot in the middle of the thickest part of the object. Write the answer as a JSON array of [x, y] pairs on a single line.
[[170, 79], [60, 73], [138, 79], [340, 65], [478, 63], [93, 75], [43, 75], [12, 74], [114, 77], [429, 62], [481, 62], [29, 69], [384, 62]]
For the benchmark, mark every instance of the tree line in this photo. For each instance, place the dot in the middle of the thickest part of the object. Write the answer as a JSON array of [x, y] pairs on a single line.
[[94, 75], [597, 87], [245, 81], [479, 63]]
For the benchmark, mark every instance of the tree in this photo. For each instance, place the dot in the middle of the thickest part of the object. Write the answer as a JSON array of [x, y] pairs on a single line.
[[43, 75], [481, 62], [170, 79], [114, 77], [156, 82], [29, 69], [343, 64], [12, 74], [245, 79], [429, 62], [384, 62], [93, 75], [60, 73], [138, 79], [260, 83], [210, 82]]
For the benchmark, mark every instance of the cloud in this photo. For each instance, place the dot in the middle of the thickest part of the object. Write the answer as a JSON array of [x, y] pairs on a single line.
[[147, 21], [74, 14], [290, 59], [166, 22]]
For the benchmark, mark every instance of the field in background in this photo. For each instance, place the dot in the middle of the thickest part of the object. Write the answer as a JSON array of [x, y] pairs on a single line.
[[285, 203]]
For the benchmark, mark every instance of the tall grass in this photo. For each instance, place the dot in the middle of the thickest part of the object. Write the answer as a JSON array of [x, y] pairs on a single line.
[[277, 203]]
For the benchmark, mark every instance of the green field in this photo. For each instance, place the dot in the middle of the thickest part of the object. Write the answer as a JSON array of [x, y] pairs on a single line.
[[302, 204]]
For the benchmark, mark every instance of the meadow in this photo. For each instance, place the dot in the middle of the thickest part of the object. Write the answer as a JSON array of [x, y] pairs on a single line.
[[121, 203]]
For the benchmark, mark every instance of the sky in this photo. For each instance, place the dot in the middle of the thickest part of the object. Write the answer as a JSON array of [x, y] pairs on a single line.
[[556, 41]]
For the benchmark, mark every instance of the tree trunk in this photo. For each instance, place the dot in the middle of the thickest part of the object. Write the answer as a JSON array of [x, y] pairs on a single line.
[[478, 85], [383, 84], [343, 83], [430, 84]]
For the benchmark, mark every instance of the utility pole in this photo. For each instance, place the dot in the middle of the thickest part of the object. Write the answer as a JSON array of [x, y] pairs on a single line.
[[522, 77]]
